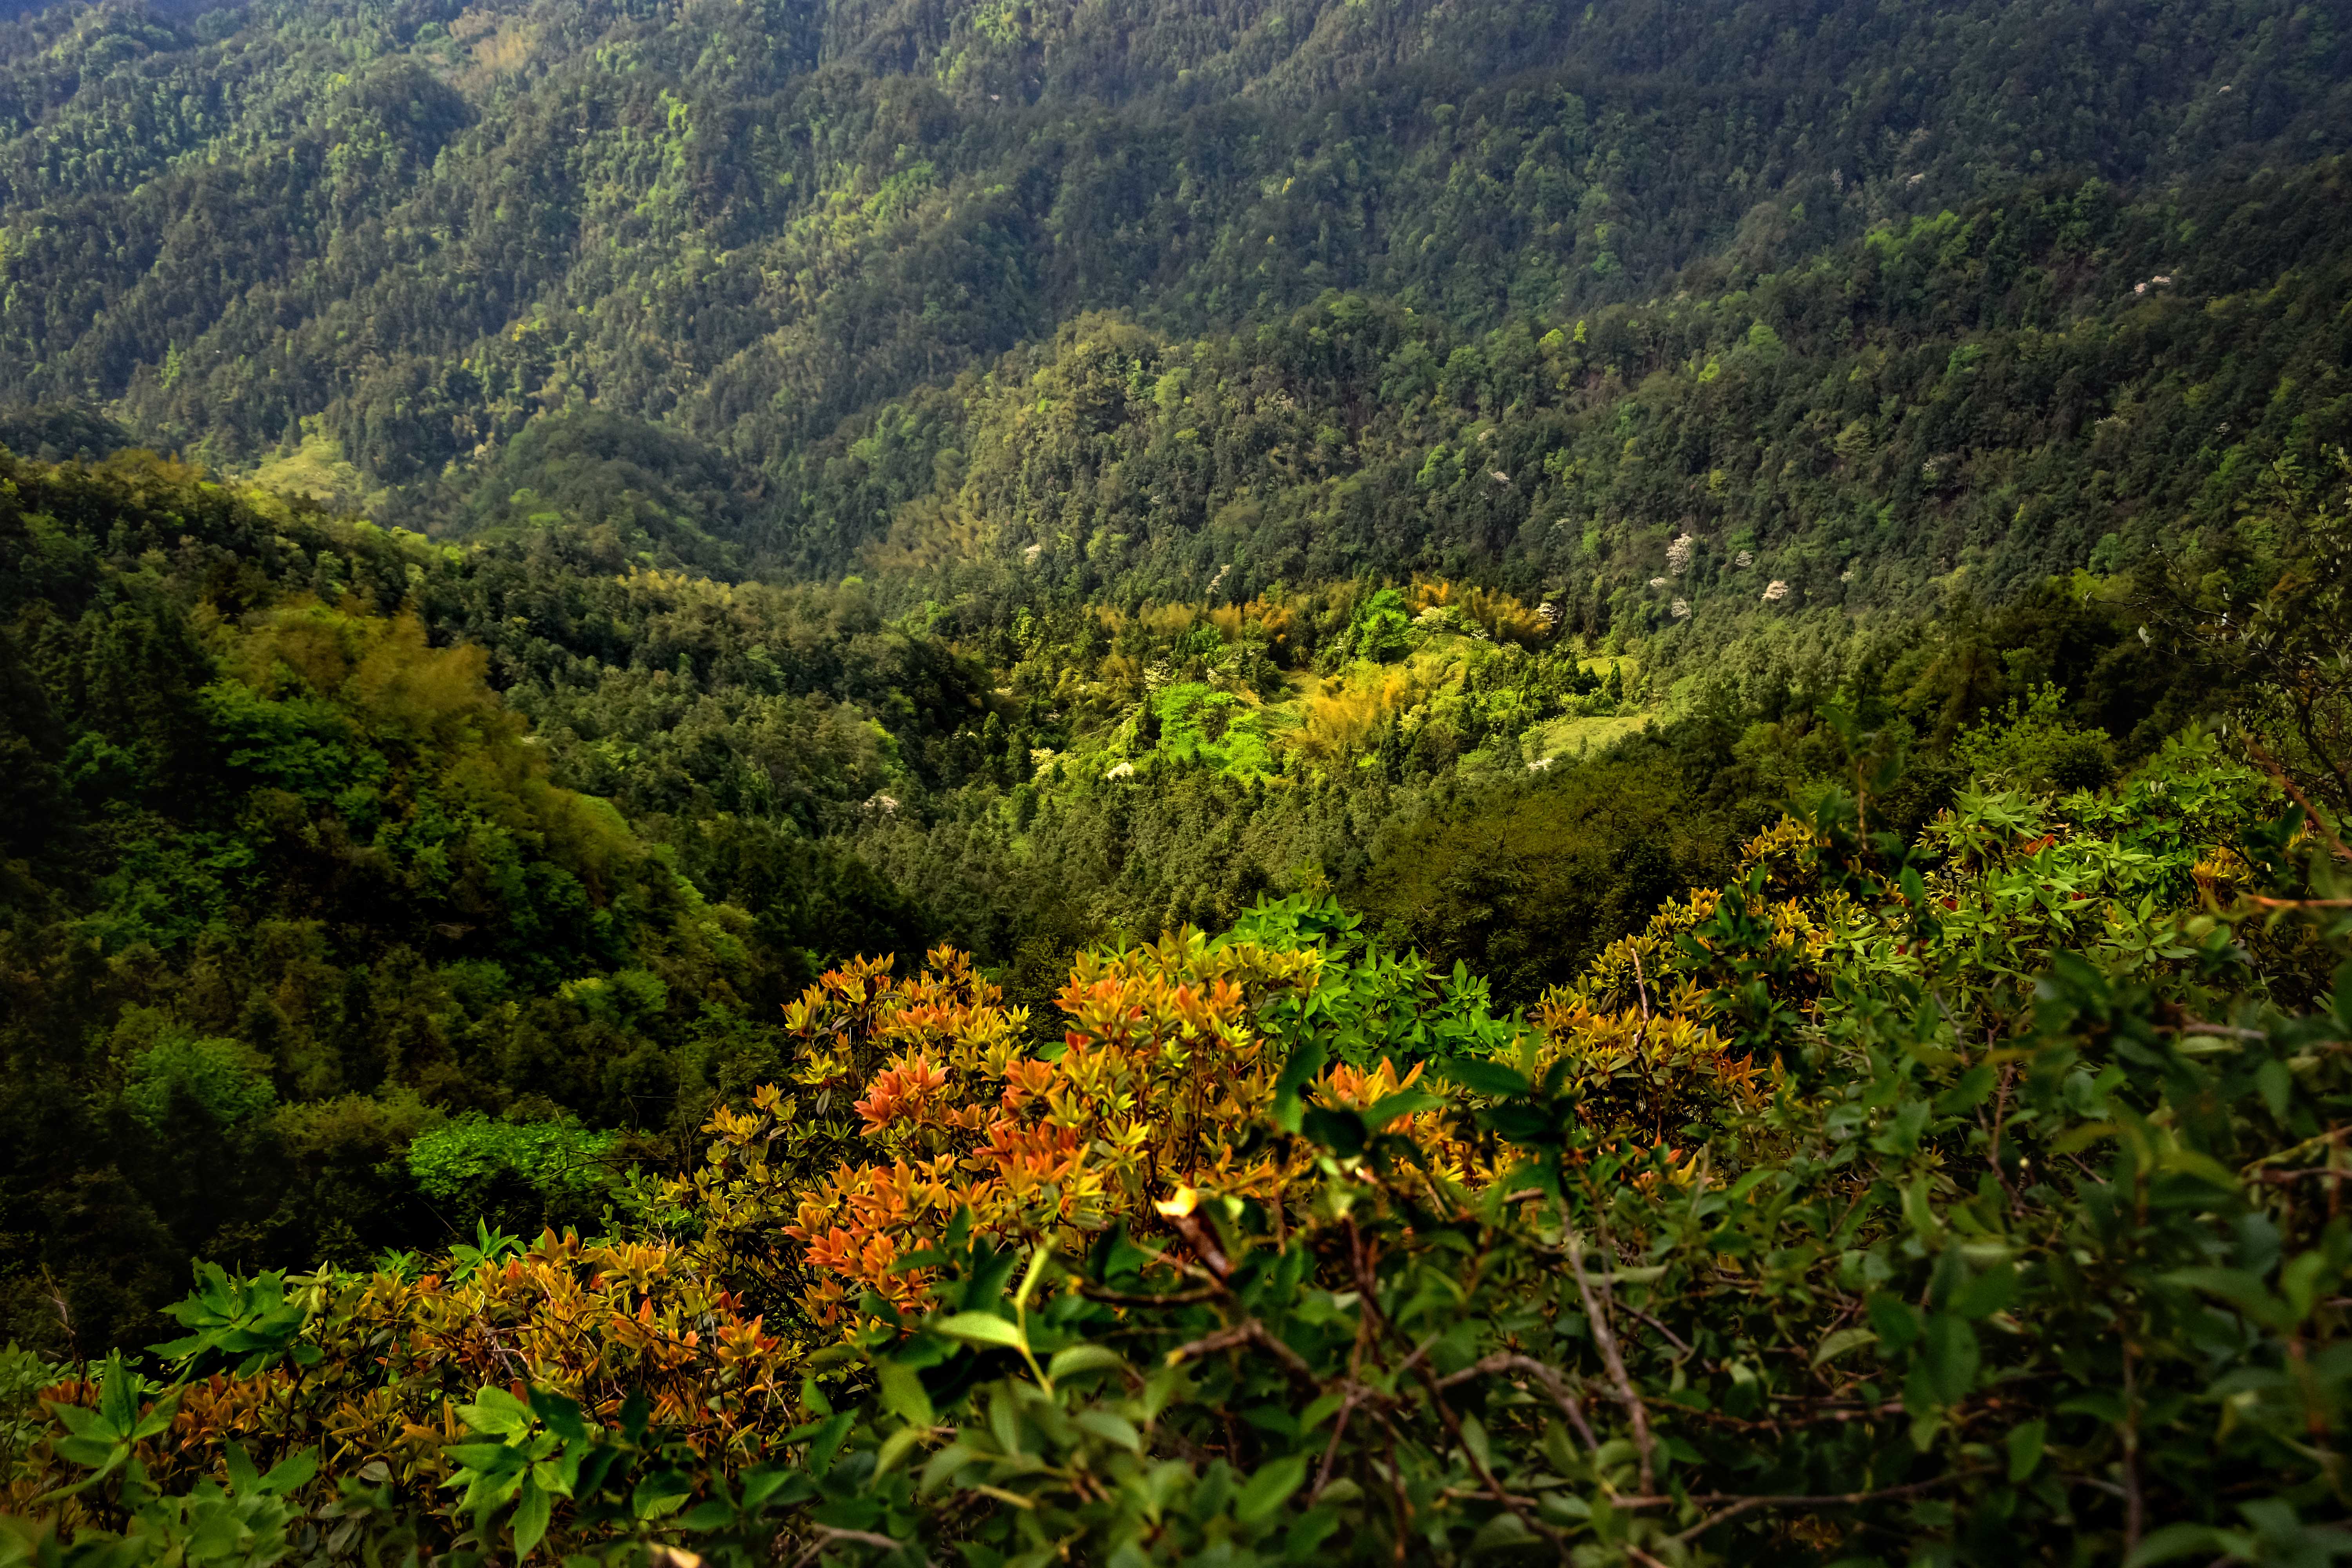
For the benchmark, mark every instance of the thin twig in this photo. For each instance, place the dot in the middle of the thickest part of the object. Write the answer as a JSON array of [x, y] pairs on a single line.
[[2134, 1505], [499, 1348], [1554, 1384], [1368, 1286], [2318, 823], [1139, 1298], [1461, 1494], [1604, 1340], [64, 1311], [1673, 1338], [2094, 1483], [1992, 1152], [1246, 1333], [1347, 1408], [1395, 1477], [1419, 1351], [1735, 1505], [827, 1535], [1204, 1245], [2226, 1031], [1783, 1424], [1486, 1475]]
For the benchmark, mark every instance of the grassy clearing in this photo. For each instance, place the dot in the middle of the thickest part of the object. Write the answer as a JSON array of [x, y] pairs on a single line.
[[1574, 737], [316, 468], [1332, 720]]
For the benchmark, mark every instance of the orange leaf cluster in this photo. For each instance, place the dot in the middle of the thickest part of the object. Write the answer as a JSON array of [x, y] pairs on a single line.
[[397, 1357], [1159, 1081]]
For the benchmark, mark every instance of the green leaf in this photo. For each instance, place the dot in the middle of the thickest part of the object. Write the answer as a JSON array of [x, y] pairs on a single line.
[[1405, 1103], [1647, 1274], [1324, 1407], [944, 1464], [896, 1447], [2299, 1282], [2204, 1167], [2075, 1139], [1986, 1294], [531, 1517], [561, 1474], [1339, 1130], [1480, 1076], [1844, 1340], [1965, 1095], [1306, 1059], [2239, 1290], [1473, 1439], [1082, 1358], [711, 1515], [2024, 1450], [487, 1458], [80, 1422], [1504, 1532], [978, 1329], [903, 1394], [1270, 1488], [759, 1485], [2107, 1405], [496, 1410], [1112, 1429], [118, 1401], [1948, 1353], [2172, 1540], [91, 1451], [561, 1415], [292, 1473], [2277, 1086], [828, 1441], [1520, 1122], [659, 1494], [1896, 1320], [1918, 1211]]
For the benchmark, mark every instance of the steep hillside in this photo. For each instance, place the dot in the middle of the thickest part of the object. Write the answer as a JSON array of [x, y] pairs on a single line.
[[404, 231]]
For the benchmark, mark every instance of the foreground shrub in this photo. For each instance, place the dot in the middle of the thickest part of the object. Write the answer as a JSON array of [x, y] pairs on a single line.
[[1966, 1201]]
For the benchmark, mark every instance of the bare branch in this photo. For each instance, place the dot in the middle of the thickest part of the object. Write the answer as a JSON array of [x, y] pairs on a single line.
[[1604, 1340], [828, 1536], [1554, 1384], [1141, 1299], [1486, 1476], [1734, 1506], [1250, 1332]]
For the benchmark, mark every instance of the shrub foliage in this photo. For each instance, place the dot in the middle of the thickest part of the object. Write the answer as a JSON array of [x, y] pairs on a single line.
[[1948, 1200]]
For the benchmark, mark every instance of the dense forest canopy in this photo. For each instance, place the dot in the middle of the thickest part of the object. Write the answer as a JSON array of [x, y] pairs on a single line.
[[392, 237], [1128, 782]]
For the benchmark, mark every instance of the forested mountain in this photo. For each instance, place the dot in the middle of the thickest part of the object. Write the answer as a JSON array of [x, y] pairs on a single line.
[[420, 228], [1417, 781]]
